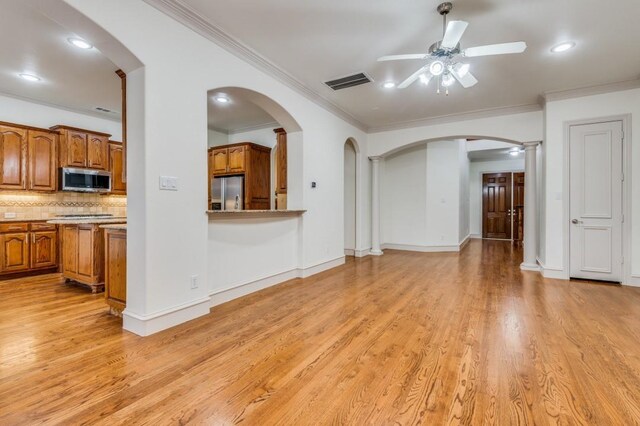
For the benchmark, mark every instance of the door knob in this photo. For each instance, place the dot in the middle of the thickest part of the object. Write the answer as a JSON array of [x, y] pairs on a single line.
[[575, 221]]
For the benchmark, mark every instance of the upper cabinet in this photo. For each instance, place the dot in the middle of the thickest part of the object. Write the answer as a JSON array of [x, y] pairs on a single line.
[[13, 157], [227, 161], [83, 148], [28, 158], [236, 159], [116, 165], [42, 160], [281, 169]]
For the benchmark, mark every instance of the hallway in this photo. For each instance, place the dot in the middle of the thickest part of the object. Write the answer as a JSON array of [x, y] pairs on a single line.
[[404, 338]]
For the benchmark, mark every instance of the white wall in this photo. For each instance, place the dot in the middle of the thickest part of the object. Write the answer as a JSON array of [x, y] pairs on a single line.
[[523, 127], [265, 137], [421, 196], [475, 187], [216, 138], [588, 107], [171, 230], [349, 196], [463, 220], [21, 111]]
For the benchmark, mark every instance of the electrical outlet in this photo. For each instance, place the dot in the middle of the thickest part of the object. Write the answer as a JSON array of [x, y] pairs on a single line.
[[194, 282], [9, 215]]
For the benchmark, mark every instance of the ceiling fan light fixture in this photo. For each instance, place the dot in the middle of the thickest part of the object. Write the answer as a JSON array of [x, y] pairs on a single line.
[[461, 69], [425, 78], [447, 80], [436, 68], [563, 47]]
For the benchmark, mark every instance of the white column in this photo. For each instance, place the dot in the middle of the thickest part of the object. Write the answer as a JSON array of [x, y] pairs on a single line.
[[375, 206], [530, 237]]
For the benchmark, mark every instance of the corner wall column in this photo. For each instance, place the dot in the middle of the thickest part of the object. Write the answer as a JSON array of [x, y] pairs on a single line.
[[530, 238], [375, 206]]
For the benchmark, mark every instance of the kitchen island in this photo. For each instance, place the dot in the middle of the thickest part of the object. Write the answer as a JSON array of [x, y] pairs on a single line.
[[82, 249]]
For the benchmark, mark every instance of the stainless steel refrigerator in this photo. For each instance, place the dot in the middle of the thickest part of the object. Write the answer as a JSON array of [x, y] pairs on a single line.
[[227, 193]]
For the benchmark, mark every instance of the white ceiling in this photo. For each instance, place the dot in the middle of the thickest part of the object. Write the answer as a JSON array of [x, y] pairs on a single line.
[[237, 115], [496, 154], [318, 40], [73, 78]]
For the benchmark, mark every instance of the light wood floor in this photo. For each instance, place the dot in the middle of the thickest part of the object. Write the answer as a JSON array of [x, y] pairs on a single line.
[[407, 338]]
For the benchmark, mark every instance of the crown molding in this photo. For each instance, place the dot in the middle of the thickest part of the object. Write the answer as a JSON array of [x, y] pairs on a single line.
[[451, 118], [196, 22], [272, 125], [62, 107], [599, 89]]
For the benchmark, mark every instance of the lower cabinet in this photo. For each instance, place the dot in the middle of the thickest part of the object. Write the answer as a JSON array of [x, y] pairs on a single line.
[[83, 255], [115, 276], [28, 247]]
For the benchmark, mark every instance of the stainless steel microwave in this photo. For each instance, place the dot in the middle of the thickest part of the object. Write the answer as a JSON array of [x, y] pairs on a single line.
[[84, 180]]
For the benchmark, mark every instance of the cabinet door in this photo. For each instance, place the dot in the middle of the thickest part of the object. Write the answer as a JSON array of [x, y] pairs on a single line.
[[220, 160], [98, 152], [42, 160], [281, 163], [116, 266], [15, 256], [85, 251], [76, 147], [236, 159], [43, 249], [70, 249], [13, 158], [115, 167]]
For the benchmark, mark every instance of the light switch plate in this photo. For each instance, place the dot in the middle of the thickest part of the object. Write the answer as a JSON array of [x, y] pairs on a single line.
[[168, 183]]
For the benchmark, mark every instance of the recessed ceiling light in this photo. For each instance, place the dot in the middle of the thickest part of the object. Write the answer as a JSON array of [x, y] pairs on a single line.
[[389, 85], [563, 47], [221, 99], [78, 42], [29, 77]]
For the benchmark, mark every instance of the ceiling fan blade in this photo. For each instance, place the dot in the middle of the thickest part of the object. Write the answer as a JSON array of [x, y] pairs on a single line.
[[403, 57], [467, 80], [454, 32], [413, 77], [496, 49]]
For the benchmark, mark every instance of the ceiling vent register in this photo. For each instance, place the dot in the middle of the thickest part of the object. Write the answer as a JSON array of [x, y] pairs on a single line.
[[349, 81]]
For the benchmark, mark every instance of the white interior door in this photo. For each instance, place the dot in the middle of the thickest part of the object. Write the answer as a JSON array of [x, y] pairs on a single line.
[[596, 201]]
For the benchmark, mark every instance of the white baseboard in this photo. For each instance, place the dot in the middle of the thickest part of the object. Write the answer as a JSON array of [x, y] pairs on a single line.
[[226, 295], [551, 271], [475, 236], [145, 325], [634, 281], [349, 252], [363, 253], [424, 249], [464, 242], [530, 267]]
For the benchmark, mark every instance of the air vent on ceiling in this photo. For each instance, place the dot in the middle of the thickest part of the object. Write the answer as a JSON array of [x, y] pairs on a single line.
[[348, 81], [105, 110]]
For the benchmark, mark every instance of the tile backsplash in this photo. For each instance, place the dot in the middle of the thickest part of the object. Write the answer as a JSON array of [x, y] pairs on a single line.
[[43, 206]]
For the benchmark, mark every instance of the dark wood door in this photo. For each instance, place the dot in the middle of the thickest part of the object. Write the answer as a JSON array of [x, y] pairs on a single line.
[[98, 152], [496, 205], [116, 165], [42, 160], [518, 206], [13, 158]]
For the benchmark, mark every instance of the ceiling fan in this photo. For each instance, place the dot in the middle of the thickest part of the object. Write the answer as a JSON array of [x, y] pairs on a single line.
[[443, 57]]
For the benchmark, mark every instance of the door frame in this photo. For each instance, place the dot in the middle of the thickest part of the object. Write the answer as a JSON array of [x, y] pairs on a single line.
[[627, 279], [481, 179]]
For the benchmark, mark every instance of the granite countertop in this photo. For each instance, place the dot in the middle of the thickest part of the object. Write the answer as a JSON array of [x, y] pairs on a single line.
[[22, 219], [118, 226], [87, 221], [239, 214]]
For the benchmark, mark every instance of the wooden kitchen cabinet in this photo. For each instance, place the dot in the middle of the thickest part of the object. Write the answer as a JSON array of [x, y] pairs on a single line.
[[83, 255], [249, 160], [28, 247], [13, 157], [115, 277], [43, 148], [116, 166], [281, 169], [83, 148], [220, 161]]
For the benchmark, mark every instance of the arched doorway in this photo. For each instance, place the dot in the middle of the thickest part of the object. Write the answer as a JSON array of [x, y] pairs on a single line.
[[350, 193]]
